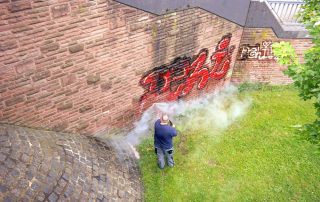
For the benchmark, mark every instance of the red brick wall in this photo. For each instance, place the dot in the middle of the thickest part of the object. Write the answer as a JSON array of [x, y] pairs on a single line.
[[264, 69], [75, 66]]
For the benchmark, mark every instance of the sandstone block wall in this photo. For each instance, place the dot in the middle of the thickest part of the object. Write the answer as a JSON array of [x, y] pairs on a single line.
[[255, 60], [81, 66]]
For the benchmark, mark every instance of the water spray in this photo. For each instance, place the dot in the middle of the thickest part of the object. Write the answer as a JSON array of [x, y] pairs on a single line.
[[216, 110]]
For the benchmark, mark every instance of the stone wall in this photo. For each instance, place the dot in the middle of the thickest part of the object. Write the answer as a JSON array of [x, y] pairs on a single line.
[[255, 60], [88, 66]]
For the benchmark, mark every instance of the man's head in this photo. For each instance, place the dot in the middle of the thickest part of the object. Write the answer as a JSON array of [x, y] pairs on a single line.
[[164, 118]]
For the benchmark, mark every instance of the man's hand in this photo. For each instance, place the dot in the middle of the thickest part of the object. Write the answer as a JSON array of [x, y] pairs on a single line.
[[171, 124]]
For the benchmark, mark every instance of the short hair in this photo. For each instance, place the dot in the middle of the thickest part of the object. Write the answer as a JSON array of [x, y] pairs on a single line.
[[164, 118]]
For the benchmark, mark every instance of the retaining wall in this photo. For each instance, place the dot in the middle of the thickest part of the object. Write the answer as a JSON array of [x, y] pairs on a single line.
[[89, 66]]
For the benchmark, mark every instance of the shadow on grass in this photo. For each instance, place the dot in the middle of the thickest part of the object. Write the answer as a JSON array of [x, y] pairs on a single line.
[[247, 87]]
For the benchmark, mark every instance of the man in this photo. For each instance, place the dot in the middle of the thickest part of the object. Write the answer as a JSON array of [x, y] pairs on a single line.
[[164, 131]]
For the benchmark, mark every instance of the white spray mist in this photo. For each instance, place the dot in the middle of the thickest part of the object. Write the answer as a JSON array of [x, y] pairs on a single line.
[[213, 111]]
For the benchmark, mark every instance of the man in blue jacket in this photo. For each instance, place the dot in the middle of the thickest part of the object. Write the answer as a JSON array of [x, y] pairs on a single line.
[[164, 131]]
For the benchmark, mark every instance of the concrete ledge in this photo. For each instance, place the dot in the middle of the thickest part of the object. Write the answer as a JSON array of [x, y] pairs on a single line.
[[261, 16], [253, 14], [228, 9]]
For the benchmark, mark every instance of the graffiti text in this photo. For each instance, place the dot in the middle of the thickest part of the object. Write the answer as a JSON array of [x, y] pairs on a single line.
[[259, 52], [179, 77]]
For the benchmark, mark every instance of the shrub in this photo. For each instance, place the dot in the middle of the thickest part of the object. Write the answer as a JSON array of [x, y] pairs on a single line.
[[306, 76]]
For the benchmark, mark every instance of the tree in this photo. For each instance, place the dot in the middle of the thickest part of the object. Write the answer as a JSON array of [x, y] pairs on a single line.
[[306, 76]]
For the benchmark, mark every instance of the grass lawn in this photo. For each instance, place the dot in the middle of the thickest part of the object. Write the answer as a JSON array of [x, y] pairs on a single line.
[[258, 158]]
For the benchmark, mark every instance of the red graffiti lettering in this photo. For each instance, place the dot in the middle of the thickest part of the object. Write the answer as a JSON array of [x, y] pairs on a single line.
[[179, 80], [179, 77], [199, 73], [150, 81], [221, 58]]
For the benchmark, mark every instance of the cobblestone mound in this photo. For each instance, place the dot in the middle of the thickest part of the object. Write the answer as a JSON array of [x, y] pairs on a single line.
[[48, 166]]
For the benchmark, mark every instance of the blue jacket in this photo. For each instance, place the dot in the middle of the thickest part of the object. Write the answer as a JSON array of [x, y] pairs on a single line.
[[163, 135]]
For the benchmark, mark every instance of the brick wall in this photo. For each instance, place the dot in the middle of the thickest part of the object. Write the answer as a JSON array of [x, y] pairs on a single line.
[[77, 66], [261, 66]]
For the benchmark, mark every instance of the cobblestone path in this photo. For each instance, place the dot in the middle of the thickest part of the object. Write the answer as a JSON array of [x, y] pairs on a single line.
[[48, 166]]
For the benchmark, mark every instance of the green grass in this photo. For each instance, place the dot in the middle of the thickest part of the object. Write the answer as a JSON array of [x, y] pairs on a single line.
[[258, 158]]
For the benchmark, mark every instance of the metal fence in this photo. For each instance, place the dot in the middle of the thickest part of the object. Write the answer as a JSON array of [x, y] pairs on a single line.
[[286, 10]]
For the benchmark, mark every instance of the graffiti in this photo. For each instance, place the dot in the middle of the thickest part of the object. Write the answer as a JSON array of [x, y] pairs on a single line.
[[263, 52], [179, 77]]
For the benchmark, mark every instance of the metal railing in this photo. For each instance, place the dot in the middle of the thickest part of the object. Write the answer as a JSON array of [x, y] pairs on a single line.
[[286, 10]]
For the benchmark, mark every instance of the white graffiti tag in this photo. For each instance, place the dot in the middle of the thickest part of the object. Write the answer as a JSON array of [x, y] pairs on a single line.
[[257, 51]]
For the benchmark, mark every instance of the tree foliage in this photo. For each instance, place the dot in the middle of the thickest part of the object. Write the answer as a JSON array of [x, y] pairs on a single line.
[[306, 75]]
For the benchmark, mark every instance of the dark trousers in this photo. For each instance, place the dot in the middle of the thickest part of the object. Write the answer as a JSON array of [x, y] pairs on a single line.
[[162, 154]]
